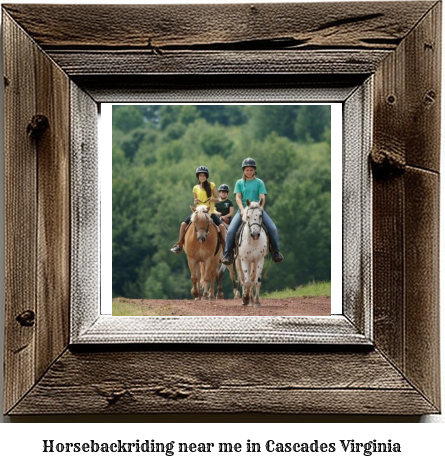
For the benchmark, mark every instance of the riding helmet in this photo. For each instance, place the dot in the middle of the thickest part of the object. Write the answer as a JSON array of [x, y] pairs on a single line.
[[223, 187], [202, 169], [249, 162]]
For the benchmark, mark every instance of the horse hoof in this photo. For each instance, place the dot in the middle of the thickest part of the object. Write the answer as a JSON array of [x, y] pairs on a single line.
[[204, 298], [246, 301], [256, 305]]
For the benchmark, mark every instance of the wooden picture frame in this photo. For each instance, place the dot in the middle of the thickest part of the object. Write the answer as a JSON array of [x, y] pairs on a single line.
[[57, 70]]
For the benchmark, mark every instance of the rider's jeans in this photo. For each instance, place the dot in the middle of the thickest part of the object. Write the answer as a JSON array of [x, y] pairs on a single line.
[[236, 223]]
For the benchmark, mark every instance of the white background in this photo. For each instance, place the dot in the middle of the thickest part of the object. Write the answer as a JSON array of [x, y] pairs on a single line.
[[21, 439]]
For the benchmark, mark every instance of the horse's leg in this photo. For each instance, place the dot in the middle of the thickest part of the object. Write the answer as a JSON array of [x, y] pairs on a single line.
[[245, 270], [212, 287], [257, 283], [252, 276], [240, 275], [194, 271], [213, 274], [219, 278], [205, 281], [234, 281]]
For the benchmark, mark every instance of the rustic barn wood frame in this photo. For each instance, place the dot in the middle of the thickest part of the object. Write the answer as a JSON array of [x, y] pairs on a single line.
[[76, 56]]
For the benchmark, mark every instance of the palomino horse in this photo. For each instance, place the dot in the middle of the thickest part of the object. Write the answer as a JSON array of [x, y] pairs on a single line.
[[200, 245], [251, 252], [232, 273]]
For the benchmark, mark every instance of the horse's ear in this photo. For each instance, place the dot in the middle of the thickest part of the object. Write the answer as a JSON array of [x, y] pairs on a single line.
[[192, 208], [248, 202]]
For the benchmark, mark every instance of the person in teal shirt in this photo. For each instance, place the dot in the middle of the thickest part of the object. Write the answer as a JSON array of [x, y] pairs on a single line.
[[252, 188]]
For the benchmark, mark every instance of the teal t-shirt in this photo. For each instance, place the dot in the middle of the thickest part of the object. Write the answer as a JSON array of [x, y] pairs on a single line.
[[250, 189]]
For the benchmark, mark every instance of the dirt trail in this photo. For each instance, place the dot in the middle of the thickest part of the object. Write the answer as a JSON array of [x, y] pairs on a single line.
[[295, 306]]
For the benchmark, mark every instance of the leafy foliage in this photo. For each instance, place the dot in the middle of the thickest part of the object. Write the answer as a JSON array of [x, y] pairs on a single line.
[[156, 149]]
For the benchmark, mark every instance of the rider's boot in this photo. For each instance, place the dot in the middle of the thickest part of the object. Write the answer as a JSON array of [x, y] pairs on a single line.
[[276, 255], [228, 258], [177, 248]]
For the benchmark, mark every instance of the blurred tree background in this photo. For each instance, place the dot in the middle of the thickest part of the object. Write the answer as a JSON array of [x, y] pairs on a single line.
[[156, 149]]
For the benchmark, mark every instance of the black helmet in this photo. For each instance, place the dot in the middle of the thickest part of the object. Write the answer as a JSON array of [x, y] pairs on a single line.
[[249, 162], [223, 187], [202, 169]]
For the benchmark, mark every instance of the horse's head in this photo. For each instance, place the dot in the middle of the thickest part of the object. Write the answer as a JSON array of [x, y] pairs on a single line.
[[253, 216], [201, 222]]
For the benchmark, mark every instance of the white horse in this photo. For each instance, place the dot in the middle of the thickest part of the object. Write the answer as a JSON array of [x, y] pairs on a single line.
[[251, 252]]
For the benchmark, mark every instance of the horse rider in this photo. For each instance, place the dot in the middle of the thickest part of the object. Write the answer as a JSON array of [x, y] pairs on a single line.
[[202, 194], [252, 188], [224, 209]]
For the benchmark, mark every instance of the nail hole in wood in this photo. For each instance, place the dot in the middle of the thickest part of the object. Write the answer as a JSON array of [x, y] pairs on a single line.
[[26, 318], [430, 97], [37, 126]]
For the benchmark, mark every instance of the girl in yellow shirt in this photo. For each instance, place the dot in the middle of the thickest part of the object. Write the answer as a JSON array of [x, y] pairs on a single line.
[[202, 193]]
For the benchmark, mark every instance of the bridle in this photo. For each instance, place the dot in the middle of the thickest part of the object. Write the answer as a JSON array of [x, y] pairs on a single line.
[[255, 224], [206, 230]]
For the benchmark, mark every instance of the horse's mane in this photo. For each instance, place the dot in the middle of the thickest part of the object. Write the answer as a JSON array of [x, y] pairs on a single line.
[[201, 212]]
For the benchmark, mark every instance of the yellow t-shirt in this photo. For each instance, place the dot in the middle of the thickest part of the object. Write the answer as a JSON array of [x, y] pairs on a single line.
[[201, 194]]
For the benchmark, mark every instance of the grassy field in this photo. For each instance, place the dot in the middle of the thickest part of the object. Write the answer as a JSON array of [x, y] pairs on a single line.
[[308, 290], [127, 307]]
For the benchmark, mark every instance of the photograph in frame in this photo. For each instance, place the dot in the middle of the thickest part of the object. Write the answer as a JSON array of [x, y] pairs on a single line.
[[155, 150]]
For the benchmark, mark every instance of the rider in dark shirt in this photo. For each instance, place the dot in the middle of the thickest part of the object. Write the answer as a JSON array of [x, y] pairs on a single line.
[[224, 209]]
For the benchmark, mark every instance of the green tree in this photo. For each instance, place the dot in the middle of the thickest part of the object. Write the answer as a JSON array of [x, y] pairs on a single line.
[[127, 117], [156, 149]]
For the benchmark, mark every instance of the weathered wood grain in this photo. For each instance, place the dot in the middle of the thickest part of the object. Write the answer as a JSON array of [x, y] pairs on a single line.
[[422, 255], [123, 63], [406, 208], [388, 155], [20, 213], [423, 92], [223, 382], [85, 212], [153, 27], [218, 87], [53, 221], [357, 209], [388, 268]]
